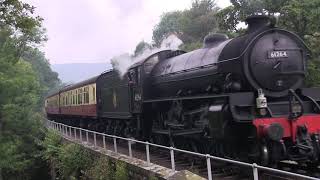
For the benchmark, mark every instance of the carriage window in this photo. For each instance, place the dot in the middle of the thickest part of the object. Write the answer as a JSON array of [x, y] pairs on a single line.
[[67, 98], [149, 64], [79, 97], [86, 95], [94, 94]]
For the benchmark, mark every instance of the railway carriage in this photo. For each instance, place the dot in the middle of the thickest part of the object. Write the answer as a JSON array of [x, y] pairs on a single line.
[[52, 105], [79, 99], [240, 98]]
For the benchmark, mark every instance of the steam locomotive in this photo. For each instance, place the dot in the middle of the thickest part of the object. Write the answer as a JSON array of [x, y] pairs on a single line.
[[242, 98]]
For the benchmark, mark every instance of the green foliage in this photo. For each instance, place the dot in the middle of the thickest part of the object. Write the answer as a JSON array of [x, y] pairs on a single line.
[[47, 78], [140, 48], [121, 171], [313, 76], [101, 170], [19, 17], [313, 42], [41, 66], [228, 19], [191, 46], [73, 159], [299, 16], [191, 25], [70, 160], [152, 177], [198, 21], [169, 23], [21, 128], [51, 145]]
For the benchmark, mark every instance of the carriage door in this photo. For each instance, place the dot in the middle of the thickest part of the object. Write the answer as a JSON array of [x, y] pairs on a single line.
[[135, 89]]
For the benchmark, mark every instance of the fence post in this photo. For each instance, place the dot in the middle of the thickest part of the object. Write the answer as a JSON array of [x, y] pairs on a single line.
[[87, 136], [130, 150], [75, 133], [80, 131], [104, 142], [95, 139], [172, 159], [148, 153], [70, 133], [115, 144], [255, 171], [209, 167]]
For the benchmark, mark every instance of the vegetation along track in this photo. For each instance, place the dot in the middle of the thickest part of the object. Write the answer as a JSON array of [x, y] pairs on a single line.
[[195, 164]]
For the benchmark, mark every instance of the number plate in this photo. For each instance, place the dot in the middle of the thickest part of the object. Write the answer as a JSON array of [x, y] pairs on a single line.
[[277, 54]]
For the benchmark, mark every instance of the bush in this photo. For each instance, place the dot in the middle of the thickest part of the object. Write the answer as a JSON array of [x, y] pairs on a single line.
[[73, 160], [121, 171], [101, 170]]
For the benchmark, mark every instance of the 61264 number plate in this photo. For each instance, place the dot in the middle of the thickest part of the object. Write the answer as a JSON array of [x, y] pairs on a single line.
[[277, 54]]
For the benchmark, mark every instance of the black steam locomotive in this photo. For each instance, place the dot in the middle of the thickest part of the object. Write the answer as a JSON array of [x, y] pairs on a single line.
[[239, 98]]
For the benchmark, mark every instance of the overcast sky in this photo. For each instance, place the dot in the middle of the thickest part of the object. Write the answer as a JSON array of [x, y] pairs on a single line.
[[85, 31]]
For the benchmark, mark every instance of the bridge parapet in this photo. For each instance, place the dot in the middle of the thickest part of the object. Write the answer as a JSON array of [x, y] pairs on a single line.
[[144, 166]]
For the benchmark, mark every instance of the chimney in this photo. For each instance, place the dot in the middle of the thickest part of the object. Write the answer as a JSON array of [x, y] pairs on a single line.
[[258, 22]]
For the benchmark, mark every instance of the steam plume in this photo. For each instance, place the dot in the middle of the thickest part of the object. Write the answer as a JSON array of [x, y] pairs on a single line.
[[122, 62]]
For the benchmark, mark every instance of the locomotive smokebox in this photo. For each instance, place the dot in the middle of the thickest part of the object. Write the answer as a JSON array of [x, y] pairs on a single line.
[[266, 58], [259, 22]]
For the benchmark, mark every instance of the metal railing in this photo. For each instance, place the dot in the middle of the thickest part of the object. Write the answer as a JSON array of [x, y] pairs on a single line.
[[67, 131]]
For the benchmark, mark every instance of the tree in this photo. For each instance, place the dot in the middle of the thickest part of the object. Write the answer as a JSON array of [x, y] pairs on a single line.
[[191, 25], [299, 16], [47, 78], [21, 89], [140, 48], [21, 125], [52, 145], [169, 23], [19, 18]]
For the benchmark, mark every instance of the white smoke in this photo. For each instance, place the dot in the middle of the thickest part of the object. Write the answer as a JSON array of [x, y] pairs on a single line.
[[171, 42], [122, 62]]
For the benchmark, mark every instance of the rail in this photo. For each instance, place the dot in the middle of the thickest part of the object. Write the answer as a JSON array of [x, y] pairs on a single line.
[[67, 130]]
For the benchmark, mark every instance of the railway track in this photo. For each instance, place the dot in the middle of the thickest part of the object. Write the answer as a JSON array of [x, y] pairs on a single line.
[[197, 165]]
